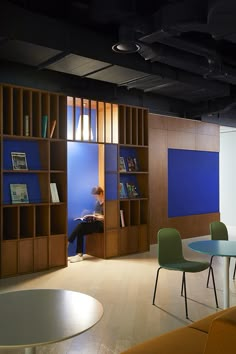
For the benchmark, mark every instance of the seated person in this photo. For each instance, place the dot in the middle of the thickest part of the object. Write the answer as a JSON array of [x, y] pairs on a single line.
[[89, 225]]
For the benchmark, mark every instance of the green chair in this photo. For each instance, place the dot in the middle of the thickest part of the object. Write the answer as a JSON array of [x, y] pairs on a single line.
[[170, 257], [218, 231]]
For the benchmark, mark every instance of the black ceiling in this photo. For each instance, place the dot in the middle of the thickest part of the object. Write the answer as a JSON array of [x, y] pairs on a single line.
[[186, 64]]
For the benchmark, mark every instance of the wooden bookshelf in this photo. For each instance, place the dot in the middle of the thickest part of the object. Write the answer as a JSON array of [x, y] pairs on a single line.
[[118, 130], [133, 145], [33, 235]]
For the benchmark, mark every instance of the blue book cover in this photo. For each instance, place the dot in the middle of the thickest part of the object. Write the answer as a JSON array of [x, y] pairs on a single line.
[[123, 193]]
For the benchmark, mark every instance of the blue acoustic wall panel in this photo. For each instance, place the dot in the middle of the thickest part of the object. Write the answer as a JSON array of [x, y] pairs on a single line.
[[82, 177], [111, 171], [193, 182], [31, 149]]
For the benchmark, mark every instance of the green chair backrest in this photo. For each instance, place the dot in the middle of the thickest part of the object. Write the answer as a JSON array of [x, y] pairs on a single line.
[[169, 247], [218, 231]]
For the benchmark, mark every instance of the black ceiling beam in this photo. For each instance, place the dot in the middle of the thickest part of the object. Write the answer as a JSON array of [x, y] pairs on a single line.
[[71, 85], [219, 105]]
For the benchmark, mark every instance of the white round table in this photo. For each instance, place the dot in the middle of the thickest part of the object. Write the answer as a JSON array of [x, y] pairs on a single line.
[[30, 318], [223, 248]]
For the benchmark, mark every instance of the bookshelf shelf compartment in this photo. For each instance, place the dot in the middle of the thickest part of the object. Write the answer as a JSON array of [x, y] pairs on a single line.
[[27, 228], [10, 228], [58, 222]]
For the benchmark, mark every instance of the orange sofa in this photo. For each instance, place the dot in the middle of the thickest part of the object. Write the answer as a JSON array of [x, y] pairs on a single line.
[[214, 334]]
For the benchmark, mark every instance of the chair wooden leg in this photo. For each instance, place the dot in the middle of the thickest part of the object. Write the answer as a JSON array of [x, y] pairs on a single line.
[[155, 288], [214, 285], [234, 271], [185, 295], [209, 272]]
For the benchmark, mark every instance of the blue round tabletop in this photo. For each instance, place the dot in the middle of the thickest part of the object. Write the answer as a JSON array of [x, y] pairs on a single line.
[[215, 247]]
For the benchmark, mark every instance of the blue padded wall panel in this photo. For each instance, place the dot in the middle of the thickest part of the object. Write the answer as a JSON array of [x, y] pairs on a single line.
[[111, 151], [111, 157], [82, 177], [31, 149], [111, 186], [33, 186], [193, 182]]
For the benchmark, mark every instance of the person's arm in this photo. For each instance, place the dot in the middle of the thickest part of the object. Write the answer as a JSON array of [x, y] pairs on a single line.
[[98, 212], [99, 217]]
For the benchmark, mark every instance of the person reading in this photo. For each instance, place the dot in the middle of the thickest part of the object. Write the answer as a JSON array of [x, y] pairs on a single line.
[[88, 225]]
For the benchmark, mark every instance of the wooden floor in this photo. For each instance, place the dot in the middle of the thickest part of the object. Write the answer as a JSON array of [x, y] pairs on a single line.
[[125, 287]]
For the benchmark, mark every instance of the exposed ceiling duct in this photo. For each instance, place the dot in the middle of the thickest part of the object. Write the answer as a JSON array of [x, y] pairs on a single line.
[[176, 50]]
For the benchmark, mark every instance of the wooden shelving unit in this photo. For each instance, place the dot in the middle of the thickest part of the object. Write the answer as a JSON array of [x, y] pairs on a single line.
[[33, 235], [133, 142], [116, 129]]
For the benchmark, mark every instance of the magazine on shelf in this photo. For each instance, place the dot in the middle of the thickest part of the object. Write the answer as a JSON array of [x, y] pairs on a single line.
[[123, 193], [19, 161], [19, 193], [122, 164], [54, 193], [132, 190], [132, 164]]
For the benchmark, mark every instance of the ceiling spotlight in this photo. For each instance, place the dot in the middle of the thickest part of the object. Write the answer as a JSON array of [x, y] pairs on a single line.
[[126, 47], [127, 41]]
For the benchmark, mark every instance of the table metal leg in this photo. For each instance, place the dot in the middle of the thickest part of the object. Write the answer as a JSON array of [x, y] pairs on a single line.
[[30, 350], [226, 282]]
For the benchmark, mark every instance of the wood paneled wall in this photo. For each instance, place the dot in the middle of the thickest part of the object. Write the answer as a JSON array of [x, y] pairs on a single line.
[[177, 133]]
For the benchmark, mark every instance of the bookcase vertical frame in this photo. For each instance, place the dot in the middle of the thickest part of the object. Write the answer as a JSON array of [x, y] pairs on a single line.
[[61, 127], [101, 123], [7, 104], [36, 114], [17, 111]]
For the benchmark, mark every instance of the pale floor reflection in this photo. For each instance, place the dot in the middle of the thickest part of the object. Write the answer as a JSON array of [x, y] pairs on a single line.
[[125, 287]]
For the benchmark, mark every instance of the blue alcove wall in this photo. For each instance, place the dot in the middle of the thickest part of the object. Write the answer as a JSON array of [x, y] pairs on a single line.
[[82, 165]]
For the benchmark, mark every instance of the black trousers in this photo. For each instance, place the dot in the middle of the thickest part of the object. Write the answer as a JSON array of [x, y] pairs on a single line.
[[82, 229]]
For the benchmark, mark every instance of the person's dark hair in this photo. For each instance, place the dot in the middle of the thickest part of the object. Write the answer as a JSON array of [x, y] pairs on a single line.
[[96, 190]]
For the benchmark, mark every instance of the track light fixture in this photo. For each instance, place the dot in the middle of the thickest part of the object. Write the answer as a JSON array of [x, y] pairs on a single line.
[[127, 41]]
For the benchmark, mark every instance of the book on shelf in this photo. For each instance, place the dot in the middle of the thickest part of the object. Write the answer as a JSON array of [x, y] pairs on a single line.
[[26, 125], [19, 193], [53, 126], [19, 161], [132, 164], [122, 164], [132, 190], [44, 126], [123, 193], [54, 193], [122, 219]]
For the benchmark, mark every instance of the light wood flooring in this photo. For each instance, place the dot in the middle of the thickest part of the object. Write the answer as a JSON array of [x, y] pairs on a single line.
[[125, 288]]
